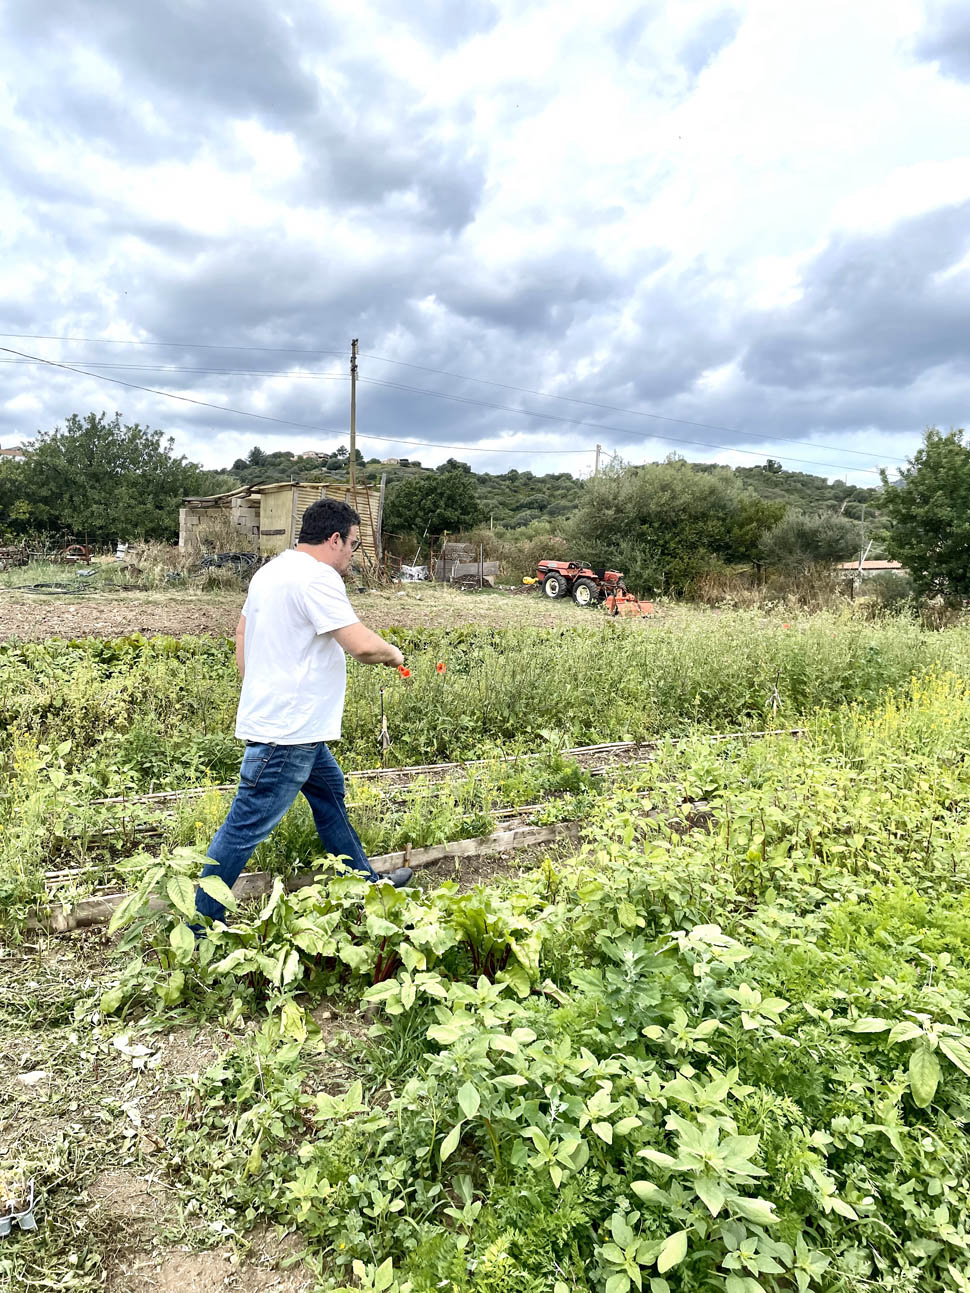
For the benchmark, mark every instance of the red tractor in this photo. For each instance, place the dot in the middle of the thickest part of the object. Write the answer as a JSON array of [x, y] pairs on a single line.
[[585, 585], [588, 587]]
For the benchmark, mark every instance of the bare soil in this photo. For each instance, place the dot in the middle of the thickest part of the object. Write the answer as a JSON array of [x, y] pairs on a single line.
[[34, 617], [220, 1269], [270, 1265], [488, 868], [125, 1196]]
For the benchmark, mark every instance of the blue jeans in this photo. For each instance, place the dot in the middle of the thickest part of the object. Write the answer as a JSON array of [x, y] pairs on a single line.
[[270, 779]]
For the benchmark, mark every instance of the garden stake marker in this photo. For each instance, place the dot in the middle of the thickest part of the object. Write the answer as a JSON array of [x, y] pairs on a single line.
[[774, 699], [385, 734]]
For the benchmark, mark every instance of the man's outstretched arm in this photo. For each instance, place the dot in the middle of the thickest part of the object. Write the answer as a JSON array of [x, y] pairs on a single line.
[[366, 646]]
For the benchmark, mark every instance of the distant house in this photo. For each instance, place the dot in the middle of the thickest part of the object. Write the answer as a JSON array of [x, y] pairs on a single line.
[[390, 462], [311, 453], [17, 454], [873, 567]]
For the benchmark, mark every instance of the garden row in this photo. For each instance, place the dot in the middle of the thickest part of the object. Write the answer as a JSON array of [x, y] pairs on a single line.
[[730, 1059], [83, 848], [157, 713], [91, 717]]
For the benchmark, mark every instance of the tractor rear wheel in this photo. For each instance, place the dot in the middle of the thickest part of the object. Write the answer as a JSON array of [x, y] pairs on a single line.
[[554, 585], [585, 592]]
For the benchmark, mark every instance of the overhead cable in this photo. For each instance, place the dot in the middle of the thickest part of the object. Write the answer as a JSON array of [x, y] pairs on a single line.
[[178, 368], [175, 345], [522, 390], [603, 426], [264, 417], [613, 408], [426, 444]]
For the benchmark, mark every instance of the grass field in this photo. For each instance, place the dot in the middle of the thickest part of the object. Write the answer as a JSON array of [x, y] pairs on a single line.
[[728, 1051]]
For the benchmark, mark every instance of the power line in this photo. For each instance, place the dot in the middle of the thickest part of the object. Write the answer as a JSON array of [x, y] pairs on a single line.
[[522, 390], [614, 408], [176, 368], [263, 417], [426, 444], [417, 390], [603, 426], [464, 399], [176, 345]]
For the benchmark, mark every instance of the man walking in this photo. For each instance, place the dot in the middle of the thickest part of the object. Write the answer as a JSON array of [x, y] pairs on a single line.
[[291, 640]]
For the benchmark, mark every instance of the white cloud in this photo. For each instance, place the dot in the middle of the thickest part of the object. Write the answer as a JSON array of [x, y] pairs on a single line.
[[643, 207]]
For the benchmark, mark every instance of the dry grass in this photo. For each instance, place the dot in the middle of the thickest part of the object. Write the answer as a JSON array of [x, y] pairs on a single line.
[[155, 562], [814, 590], [218, 534], [517, 558]]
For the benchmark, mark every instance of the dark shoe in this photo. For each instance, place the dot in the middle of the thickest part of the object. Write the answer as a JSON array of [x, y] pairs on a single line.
[[400, 878]]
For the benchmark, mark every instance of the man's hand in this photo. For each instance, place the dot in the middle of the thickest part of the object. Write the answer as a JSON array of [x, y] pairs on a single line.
[[368, 647]]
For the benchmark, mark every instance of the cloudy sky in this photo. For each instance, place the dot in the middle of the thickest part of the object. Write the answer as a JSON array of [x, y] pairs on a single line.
[[728, 231]]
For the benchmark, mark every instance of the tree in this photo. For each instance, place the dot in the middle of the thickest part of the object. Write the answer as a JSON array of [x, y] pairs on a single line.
[[15, 513], [666, 523], [800, 543], [432, 504], [216, 482], [929, 511], [98, 479]]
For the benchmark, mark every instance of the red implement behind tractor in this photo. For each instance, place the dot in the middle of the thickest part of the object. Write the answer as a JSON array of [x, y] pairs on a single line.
[[588, 586]]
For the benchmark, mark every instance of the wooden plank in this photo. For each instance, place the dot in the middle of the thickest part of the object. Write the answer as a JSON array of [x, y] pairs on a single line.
[[379, 529], [443, 769], [98, 910], [274, 523]]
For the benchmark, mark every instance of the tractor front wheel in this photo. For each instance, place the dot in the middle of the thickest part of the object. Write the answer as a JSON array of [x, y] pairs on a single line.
[[554, 586], [585, 592]]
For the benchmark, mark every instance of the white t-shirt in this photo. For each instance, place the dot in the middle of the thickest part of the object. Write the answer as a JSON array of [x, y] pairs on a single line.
[[296, 673]]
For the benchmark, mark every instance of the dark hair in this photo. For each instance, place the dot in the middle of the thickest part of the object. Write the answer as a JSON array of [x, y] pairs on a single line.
[[325, 517]]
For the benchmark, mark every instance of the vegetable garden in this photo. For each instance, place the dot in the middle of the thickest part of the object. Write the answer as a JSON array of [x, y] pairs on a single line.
[[726, 1050]]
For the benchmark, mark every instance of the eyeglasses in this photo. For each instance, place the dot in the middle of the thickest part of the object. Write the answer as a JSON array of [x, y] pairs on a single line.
[[355, 545]]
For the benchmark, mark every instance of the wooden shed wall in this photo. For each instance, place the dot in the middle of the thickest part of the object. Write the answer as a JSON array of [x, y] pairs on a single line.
[[286, 508], [278, 510], [275, 522]]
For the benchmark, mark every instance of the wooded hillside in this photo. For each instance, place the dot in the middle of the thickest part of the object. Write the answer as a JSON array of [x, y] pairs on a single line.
[[514, 499]]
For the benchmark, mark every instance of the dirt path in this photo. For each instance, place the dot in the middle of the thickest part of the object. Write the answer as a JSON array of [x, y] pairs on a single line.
[[87, 1105]]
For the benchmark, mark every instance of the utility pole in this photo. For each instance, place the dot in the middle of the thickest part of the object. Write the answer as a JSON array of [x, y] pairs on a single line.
[[862, 542], [353, 420], [596, 469]]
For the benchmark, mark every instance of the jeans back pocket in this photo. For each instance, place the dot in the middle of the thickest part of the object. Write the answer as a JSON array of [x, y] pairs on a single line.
[[254, 761]]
